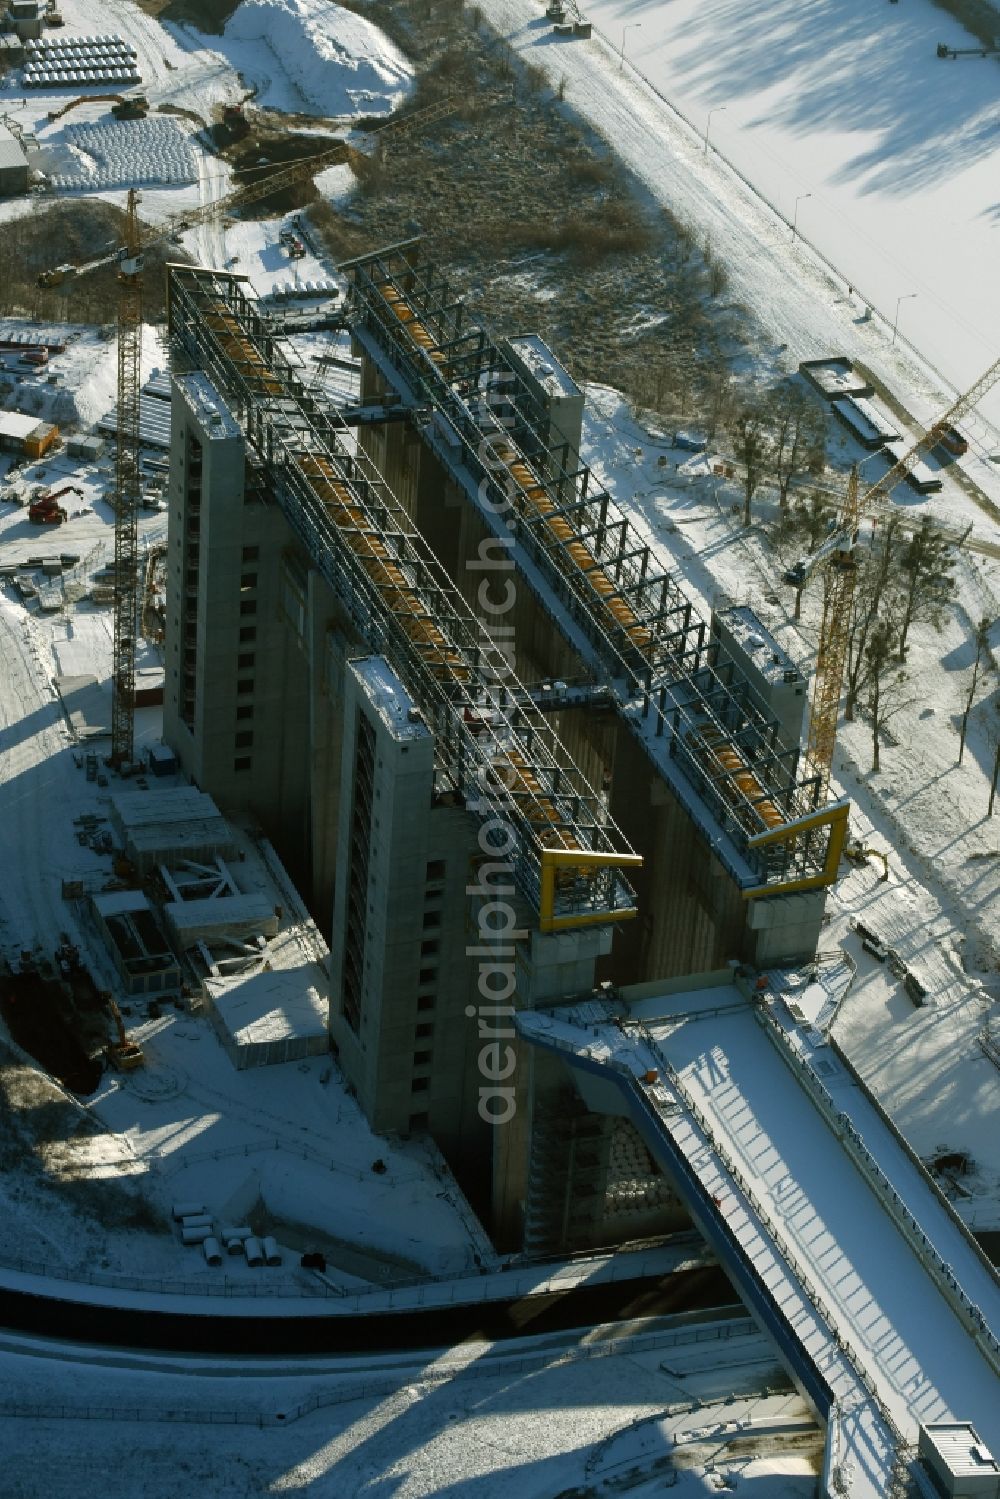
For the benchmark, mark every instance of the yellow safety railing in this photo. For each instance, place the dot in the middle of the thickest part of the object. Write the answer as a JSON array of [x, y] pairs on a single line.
[[554, 859], [835, 818]]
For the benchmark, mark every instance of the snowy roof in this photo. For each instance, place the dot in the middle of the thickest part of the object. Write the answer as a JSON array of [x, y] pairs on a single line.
[[271, 1006], [141, 809], [536, 356], [390, 698], [117, 902], [178, 817], [15, 424], [960, 1448], [11, 152], [208, 406], [865, 415], [835, 376], [222, 913]]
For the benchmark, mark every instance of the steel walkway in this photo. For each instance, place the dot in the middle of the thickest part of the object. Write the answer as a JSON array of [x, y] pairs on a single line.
[[882, 1306]]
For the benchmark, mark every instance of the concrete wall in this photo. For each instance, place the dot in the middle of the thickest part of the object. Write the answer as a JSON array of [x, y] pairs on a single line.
[[13, 181], [400, 915], [238, 705]]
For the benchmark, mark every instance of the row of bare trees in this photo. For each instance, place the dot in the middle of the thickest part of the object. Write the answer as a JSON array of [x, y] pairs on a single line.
[[777, 437], [903, 577], [902, 580]]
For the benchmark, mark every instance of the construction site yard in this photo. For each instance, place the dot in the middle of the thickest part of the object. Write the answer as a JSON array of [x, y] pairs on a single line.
[[635, 271], [560, 193]]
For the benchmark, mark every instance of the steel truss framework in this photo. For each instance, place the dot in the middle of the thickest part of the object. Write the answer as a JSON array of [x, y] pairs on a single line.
[[647, 637], [494, 748]]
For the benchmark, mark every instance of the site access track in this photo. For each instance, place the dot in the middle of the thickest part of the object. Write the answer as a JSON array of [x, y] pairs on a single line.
[[881, 1305]]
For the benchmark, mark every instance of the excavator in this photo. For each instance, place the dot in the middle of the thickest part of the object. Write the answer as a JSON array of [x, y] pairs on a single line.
[[124, 1054], [123, 106], [859, 853], [46, 511]]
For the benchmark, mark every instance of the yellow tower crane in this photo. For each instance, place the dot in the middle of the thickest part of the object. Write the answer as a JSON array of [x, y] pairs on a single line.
[[837, 555], [129, 487]]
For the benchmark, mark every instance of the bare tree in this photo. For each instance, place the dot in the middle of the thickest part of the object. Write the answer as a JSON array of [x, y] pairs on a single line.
[[982, 642], [926, 583], [873, 598], [886, 687], [995, 741], [798, 437], [716, 396], [748, 428]]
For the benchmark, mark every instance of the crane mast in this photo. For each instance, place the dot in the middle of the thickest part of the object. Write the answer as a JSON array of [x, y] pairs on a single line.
[[839, 580], [128, 485]]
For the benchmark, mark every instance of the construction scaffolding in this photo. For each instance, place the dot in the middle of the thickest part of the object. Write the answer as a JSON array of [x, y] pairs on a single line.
[[495, 750], [641, 634]]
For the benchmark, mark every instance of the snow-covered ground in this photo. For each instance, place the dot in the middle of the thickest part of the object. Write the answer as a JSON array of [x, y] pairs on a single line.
[[892, 152], [840, 99], [311, 57], [477, 1423], [299, 56]]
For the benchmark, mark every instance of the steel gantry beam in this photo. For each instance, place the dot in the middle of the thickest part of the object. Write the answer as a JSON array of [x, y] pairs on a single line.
[[495, 749]]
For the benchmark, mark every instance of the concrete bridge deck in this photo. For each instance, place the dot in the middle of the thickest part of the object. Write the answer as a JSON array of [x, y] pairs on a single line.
[[883, 1308]]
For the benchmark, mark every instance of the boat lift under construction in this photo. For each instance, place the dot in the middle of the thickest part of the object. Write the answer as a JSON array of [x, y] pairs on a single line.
[[644, 636]]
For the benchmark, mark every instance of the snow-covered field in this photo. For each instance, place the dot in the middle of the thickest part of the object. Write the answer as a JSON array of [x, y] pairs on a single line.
[[893, 152], [840, 99]]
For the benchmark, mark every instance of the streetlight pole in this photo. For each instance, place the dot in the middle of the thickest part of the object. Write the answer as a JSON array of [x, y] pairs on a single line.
[[629, 27], [716, 109], [895, 322], [795, 215]]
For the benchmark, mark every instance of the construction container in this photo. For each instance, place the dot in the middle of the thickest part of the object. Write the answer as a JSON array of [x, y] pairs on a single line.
[[253, 1251], [195, 1235], [230, 1234], [163, 762], [38, 443], [272, 1254], [212, 1252], [181, 1210], [197, 1220], [87, 446]]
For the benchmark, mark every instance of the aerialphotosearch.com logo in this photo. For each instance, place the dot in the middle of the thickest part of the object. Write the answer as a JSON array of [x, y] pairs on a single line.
[[498, 932]]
